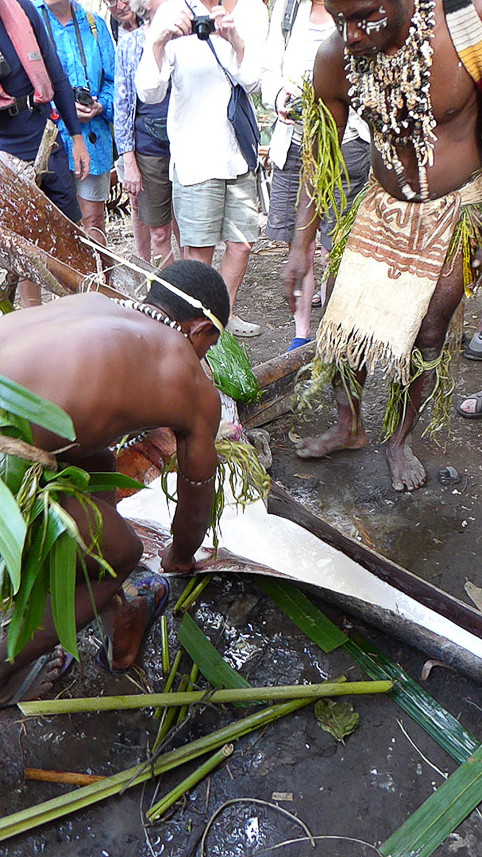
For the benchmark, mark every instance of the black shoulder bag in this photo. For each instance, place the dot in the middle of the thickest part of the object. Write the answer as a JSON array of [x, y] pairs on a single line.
[[242, 117]]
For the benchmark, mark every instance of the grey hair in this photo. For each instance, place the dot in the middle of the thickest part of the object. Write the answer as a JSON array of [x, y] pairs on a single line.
[[139, 8]]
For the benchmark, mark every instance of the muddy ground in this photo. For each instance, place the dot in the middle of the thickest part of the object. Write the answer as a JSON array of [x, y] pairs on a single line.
[[353, 793]]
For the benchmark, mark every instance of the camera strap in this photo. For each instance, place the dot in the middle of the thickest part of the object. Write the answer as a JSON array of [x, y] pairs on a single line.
[[81, 47], [77, 36]]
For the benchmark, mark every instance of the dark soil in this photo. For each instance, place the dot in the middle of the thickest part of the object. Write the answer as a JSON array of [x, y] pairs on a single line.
[[353, 793]]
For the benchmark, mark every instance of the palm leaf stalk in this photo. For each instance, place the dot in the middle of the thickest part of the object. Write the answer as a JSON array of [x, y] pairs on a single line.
[[169, 684], [192, 582], [166, 666], [190, 686], [41, 707], [189, 782], [62, 805], [170, 712], [192, 596]]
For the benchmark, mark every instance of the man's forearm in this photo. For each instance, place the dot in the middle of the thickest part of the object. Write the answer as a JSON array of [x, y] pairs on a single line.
[[192, 516], [307, 219]]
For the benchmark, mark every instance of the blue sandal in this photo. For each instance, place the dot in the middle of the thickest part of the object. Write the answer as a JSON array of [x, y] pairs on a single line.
[[147, 584]]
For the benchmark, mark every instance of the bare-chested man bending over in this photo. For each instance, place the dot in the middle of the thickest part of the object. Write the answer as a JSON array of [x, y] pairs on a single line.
[[401, 275], [116, 370]]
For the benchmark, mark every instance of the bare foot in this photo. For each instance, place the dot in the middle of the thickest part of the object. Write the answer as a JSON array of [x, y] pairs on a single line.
[[130, 616], [406, 470], [331, 440], [50, 668]]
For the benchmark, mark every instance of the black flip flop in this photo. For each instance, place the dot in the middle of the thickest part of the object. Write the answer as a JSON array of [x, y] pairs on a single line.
[[474, 353], [33, 673], [477, 414]]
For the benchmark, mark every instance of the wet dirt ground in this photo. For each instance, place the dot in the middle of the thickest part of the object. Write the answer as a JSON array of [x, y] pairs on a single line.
[[347, 794]]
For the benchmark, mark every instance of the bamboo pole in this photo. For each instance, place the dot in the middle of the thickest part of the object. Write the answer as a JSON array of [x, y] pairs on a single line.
[[187, 784], [242, 694]]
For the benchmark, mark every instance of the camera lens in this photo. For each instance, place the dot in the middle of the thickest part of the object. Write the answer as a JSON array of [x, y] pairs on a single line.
[[92, 137], [203, 32]]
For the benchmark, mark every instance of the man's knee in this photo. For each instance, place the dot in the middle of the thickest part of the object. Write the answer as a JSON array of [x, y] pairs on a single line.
[[238, 249], [130, 555]]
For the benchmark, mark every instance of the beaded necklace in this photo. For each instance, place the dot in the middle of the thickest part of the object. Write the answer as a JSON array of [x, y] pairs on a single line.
[[393, 94], [149, 310]]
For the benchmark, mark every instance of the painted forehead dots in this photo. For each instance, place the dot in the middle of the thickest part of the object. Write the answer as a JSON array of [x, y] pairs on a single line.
[[393, 94], [365, 26]]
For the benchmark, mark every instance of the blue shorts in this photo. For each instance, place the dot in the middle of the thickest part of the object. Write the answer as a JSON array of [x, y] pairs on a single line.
[[58, 186]]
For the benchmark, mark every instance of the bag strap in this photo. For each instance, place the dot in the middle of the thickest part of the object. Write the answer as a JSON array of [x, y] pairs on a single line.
[[228, 74], [92, 24], [289, 17]]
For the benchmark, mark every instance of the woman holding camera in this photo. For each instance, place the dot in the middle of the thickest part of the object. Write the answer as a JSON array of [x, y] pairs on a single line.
[[297, 28], [86, 51], [214, 193]]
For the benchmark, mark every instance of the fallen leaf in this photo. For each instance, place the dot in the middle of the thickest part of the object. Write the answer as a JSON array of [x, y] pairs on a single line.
[[337, 718]]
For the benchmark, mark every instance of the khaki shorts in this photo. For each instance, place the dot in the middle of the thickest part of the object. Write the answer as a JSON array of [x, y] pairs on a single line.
[[93, 188], [154, 200], [216, 210]]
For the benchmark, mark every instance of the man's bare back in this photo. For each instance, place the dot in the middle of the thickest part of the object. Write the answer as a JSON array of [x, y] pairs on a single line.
[[112, 369]]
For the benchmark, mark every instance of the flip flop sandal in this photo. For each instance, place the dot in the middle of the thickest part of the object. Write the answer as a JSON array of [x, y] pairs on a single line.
[[477, 414], [34, 672], [137, 585], [316, 299]]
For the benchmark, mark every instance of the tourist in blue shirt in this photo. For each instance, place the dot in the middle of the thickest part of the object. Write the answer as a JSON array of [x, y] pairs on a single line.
[[86, 51]]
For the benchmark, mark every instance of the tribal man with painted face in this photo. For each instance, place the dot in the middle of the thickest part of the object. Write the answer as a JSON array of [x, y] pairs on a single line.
[[413, 71]]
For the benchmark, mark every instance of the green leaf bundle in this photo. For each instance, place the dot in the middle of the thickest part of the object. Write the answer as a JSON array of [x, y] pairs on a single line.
[[232, 373]]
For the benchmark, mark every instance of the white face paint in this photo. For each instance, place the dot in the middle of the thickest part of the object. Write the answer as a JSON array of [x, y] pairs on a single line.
[[341, 26], [365, 26], [376, 26]]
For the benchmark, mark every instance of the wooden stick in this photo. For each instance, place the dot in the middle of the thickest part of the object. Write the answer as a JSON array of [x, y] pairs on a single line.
[[41, 160], [70, 777]]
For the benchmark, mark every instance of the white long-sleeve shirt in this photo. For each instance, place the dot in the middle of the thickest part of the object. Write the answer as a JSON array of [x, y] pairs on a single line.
[[202, 141], [287, 66]]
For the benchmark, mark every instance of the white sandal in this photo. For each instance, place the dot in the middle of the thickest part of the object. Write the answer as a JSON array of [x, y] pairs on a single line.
[[238, 327]]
